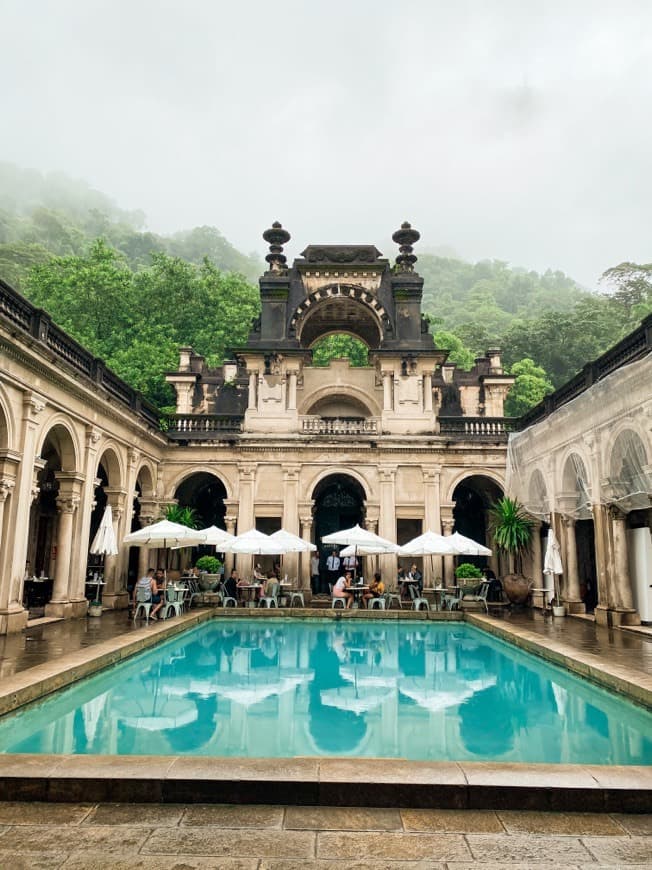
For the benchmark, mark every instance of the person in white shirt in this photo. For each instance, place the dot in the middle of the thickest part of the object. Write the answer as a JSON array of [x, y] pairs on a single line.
[[333, 567], [341, 589], [350, 563]]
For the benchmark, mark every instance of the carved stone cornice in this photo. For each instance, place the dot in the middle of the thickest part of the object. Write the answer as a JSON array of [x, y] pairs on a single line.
[[33, 404], [6, 486], [67, 504]]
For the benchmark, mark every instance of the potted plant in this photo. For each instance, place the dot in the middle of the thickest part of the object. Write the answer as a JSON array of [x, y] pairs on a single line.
[[209, 568], [95, 608], [512, 533], [468, 571]]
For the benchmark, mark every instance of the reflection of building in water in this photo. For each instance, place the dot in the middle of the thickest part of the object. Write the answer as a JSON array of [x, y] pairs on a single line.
[[328, 692]]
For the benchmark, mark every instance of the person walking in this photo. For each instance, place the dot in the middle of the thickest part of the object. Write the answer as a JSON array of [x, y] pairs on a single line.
[[314, 573]]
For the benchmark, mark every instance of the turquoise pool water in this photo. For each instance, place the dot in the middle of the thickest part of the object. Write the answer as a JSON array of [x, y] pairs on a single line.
[[288, 688]]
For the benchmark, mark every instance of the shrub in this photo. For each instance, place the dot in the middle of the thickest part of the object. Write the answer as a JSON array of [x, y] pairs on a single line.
[[209, 564], [467, 570]]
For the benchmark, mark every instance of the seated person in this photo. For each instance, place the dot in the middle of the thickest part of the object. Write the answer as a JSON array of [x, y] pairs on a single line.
[[416, 575], [495, 592], [161, 581], [231, 584], [148, 581], [341, 589], [376, 589], [259, 575], [400, 582]]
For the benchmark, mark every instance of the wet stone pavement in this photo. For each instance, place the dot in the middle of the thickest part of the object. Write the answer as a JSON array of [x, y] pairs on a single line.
[[84, 836]]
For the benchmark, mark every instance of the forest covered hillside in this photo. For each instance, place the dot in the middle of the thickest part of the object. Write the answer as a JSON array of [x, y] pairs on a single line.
[[133, 297]]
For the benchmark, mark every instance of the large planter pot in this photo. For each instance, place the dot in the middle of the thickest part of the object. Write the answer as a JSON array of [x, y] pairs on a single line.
[[558, 610], [517, 588], [209, 582], [95, 610]]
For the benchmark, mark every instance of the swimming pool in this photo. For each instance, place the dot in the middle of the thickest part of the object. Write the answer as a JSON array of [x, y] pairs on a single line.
[[284, 688]]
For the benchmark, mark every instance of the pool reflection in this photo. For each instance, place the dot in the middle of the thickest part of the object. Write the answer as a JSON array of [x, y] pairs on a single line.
[[285, 688]]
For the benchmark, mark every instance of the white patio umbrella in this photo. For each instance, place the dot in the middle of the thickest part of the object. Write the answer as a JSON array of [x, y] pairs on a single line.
[[293, 543], [353, 698], [216, 537], [467, 546], [360, 542], [552, 565], [164, 535], [428, 544], [104, 542], [255, 543]]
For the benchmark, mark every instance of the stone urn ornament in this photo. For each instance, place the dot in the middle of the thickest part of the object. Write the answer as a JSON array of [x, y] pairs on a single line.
[[517, 588]]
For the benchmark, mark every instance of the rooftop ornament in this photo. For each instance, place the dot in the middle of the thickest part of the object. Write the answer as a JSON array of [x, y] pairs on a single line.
[[405, 238], [276, 236]]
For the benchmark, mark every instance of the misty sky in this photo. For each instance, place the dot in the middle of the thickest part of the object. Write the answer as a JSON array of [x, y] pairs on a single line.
[[516, 130]]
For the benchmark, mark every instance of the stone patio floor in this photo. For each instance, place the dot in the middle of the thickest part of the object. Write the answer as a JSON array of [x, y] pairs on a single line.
[[172, 837]]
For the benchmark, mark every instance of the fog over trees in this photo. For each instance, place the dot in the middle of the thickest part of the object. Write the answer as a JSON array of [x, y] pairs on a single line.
[[133, 297]]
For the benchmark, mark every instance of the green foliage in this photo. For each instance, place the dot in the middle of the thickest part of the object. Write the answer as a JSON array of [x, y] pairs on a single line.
[[458, 353], [530, 387], [340, 346], [511, 526], [184, 516], [467, 570], [209, 564]]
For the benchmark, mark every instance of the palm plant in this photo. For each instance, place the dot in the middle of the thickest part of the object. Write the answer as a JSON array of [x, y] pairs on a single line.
[[184, 516], [511, 528]]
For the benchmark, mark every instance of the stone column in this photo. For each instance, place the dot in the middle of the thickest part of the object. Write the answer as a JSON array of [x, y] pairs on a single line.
[[572, 596], [626, 613], [388, 390], [6, 486], [291, 515], [19, 513], [427, 393], [372, 562], [246, 518], [432, 565], [146, 519], [67, 504], [252, 403], [292, 390], [387, 518], [114, 588], [229, 560], [537, 561], [306, 534], [447, 524]]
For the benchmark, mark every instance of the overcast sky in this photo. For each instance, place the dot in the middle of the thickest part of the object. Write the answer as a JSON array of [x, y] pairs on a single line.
[[514, 129]]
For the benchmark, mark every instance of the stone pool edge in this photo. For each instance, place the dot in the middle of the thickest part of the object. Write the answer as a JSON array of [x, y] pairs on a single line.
[[325, 782]]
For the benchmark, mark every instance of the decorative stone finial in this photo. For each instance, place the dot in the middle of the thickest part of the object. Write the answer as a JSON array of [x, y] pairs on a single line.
[[276, 236], [405, 238]]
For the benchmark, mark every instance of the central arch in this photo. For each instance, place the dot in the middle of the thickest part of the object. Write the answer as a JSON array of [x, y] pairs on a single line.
[[339, 503], [340, 308]]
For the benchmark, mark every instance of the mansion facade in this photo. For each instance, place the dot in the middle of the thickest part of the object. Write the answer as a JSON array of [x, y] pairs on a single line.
[[406, 443]]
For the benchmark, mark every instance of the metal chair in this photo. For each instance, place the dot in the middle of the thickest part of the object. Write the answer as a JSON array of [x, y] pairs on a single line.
[[173, 603], [227, 600], [392, 595], [418, 602], [192, 592], [270, 600], [478, 598], [335, 600], [143, 602], [376, 603], [297, 595]]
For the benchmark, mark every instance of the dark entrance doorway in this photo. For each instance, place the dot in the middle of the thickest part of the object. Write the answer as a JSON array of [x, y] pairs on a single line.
[[339, 504], [585, 544], [473, 497]]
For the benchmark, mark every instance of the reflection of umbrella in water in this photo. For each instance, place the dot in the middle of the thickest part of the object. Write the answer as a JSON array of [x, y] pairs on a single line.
[[435, 697], [357, 699], [92, 712], [250, 689], [366, 676], [156, 713]]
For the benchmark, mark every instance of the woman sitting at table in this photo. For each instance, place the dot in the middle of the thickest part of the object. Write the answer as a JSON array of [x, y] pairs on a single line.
[[341, 589], [376, 589], [259, 574], [149, 581]]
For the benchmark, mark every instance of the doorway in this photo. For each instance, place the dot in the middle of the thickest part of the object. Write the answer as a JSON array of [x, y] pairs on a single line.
[[339, 504]]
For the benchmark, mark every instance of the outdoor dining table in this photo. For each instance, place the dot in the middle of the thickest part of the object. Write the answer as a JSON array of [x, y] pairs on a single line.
[[437, 594], [249, 588], [357, 591]]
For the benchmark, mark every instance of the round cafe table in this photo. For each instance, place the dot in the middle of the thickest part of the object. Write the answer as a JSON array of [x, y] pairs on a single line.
[[358, 591]]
